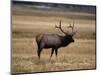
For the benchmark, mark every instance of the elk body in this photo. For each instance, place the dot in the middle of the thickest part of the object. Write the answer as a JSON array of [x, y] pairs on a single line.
[[54, 41]]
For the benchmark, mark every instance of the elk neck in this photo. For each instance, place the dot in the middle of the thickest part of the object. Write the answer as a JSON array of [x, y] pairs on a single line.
[[66, 40]]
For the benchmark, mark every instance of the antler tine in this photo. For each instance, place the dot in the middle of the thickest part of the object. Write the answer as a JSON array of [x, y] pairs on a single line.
[[72, 27], [56, 26], [74, 32], [60, 24], [60, 27]]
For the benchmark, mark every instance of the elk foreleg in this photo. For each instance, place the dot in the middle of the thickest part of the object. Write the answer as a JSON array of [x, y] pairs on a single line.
[[52, 53], [56, 52]]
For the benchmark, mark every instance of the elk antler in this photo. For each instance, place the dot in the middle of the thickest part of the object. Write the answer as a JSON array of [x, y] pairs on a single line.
[[59, 27], [72, 27]]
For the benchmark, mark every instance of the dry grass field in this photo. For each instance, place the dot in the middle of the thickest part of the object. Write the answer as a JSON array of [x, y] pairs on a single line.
[[28, 22]]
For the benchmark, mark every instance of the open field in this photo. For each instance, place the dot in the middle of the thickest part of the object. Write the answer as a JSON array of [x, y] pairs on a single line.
[[79, 55], [27, 23]]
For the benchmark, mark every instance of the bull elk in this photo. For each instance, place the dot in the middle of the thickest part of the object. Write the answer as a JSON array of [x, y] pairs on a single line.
[[54, 41]]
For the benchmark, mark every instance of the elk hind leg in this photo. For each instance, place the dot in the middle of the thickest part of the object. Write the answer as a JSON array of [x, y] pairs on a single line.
[[39, 52], [40, 49]]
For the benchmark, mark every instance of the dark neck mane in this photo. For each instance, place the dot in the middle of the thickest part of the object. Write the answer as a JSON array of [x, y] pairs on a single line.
[[64, 40]]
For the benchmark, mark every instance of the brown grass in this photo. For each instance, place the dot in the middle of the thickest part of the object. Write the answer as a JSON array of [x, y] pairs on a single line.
[[79, 55]]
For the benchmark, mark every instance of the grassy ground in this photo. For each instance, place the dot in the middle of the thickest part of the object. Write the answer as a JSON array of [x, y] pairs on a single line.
[[27, 23], [79, 55]]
